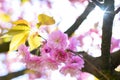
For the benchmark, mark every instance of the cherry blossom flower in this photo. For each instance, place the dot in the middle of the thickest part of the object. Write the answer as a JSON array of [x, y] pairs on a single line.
[[23, 50], [80, 39], [45, 50], [57, 40], [59, 55], [73, 66], [71, 69], [73, 43], [32, 62], [35, 63], [76, 61], [50, 63], [53, 54]]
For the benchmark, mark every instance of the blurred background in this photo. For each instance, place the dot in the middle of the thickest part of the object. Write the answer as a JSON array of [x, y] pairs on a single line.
[[65, 12]]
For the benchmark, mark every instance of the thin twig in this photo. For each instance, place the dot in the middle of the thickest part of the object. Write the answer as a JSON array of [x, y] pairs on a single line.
[[13, 75], [80, 19], [118, 10]]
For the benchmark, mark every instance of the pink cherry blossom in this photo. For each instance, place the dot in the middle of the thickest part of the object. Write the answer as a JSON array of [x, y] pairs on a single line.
[[50, 63], [73, 43], [80, 39], [57, 40], [71, 69], [23, 50], [76, 61], [45, 50], [73, 66], [59, 55], [34, 63]]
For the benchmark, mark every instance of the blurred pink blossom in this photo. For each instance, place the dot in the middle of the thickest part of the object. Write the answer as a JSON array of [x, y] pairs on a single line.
[[23, 50], [73, 43], [34, 63], [50, 63]]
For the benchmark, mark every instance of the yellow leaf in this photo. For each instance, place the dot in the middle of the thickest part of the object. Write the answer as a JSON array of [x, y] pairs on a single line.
[[17, 40], [18, 29], [21, 22], [45, 20], [34, 41], [5, 38]]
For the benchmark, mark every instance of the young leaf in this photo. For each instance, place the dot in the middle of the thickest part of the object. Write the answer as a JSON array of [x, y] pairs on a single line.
[[20, 26], [21, 22], [18, 29], [19, 33], [34, 41], [45, 20], [17, 40]]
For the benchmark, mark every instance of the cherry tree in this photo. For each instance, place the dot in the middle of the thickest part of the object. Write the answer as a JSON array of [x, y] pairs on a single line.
[[41, 49]]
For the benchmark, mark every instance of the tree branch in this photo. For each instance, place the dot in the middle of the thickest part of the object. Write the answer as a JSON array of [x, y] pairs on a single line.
[[118, 10], [13, 75], [80, 19], [115, 59], [107, 33], [92, 65], [95, 66], [4, 47], [98, 4]]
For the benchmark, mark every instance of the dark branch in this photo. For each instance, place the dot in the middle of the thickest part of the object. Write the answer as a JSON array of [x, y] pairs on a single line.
[[95, 66], [12, 75], [4, 47], [80, 19], [107, 33], [117, 11], [92, 65], [98, 4], [115, 59]]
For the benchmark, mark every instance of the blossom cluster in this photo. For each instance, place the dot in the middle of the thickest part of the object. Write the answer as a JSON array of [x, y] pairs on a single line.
[[54, 52]]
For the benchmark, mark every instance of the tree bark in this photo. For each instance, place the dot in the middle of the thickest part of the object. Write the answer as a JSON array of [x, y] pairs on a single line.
[[80, 19]]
